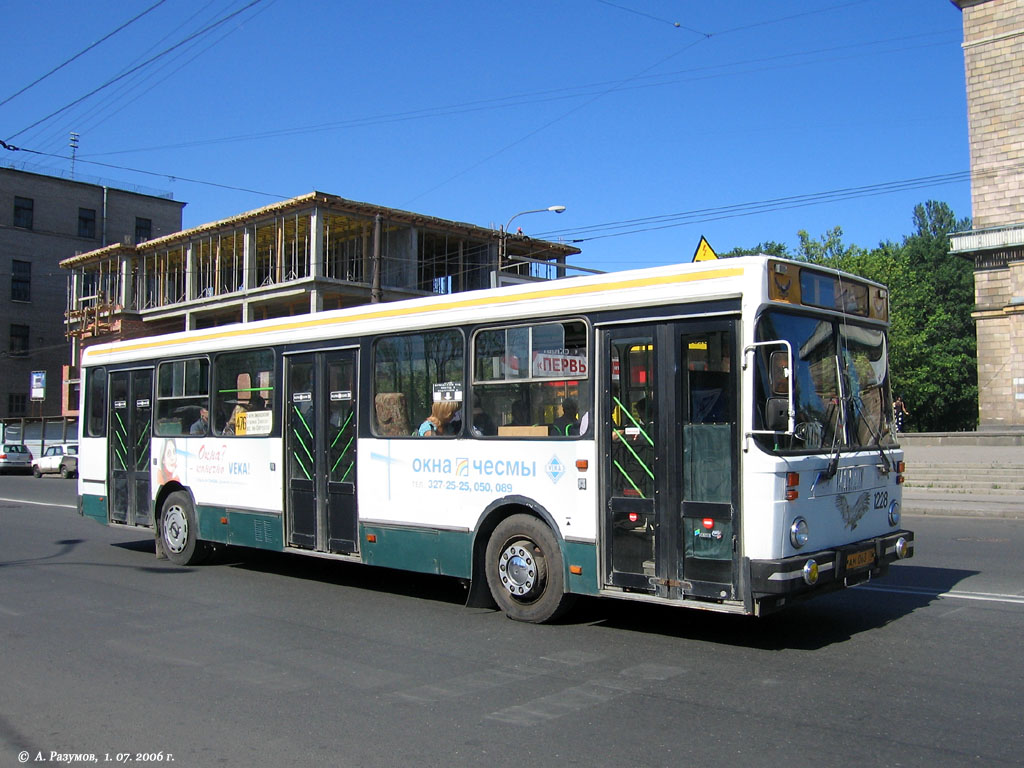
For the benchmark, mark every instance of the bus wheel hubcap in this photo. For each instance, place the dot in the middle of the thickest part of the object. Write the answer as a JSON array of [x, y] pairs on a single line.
[[518, 568], [175, 529]]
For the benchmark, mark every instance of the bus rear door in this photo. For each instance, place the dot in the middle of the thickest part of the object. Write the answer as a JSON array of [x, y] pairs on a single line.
[[670, 458], [131, 427]]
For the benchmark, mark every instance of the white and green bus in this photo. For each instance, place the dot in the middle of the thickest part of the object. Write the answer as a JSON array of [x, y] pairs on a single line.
[[715, 435]]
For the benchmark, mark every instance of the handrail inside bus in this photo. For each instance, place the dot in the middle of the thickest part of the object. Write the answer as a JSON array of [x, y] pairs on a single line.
[[791, 426]]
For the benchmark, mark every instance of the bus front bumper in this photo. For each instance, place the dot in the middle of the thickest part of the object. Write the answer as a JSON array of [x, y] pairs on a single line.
[[828, 569]]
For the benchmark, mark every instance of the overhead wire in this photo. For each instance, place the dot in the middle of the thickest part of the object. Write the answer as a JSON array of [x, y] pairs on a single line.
[[193, 51], [53, 136], [123, 75], [535, 97], [703, 215], [82, 52]]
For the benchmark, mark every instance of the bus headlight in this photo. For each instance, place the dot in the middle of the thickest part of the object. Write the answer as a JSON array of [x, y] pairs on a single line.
[[799, 533], [811, 572], [894, 514]]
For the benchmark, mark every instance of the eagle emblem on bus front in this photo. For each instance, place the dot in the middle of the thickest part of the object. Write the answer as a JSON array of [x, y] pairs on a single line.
[[851, 515]]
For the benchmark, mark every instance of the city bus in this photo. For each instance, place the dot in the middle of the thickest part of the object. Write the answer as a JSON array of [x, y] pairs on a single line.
[[716, 435]]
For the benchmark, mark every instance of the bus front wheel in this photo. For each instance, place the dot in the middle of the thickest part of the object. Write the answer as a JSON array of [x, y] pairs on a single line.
[[524, 570], [178, 530]]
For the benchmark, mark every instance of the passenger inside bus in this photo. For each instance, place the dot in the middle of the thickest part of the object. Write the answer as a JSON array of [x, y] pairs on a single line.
[[439, 420], [569, 422], [232, 426]]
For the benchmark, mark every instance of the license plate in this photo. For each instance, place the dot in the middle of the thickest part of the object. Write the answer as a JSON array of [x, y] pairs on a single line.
[[862, 559]]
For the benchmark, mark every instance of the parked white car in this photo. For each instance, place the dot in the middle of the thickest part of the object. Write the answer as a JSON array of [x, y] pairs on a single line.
[[56, 458]]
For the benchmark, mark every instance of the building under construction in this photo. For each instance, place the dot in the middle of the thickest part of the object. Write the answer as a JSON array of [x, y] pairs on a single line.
[[306, 254]]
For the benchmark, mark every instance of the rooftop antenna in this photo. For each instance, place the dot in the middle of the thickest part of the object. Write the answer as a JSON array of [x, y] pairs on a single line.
[[74, 150]]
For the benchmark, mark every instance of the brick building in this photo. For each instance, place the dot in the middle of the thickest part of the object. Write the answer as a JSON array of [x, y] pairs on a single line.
[[994, 66], [44, 220]]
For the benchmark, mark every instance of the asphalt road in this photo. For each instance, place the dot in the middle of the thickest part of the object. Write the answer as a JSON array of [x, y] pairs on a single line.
[[275, 660]]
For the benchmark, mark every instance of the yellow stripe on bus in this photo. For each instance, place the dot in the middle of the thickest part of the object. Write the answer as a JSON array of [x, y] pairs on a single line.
[[392, 311]]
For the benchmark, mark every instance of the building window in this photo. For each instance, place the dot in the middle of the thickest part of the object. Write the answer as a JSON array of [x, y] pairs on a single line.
[[17, 403], [21, 280], [143, 230], [23, 209], [19, 339], [87, 223]]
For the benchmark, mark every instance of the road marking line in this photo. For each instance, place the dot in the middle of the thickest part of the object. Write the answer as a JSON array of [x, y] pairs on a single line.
[[989, 597], [39, 503]]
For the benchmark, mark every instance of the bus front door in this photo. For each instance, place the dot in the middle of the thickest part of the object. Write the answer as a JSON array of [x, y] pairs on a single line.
[[320, 443], [669, 458], [131, 426]]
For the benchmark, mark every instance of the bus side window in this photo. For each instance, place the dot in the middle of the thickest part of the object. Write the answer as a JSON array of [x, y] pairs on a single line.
[[532, 380], [182, 393], [414, 375], [96, 402], [243, 393]]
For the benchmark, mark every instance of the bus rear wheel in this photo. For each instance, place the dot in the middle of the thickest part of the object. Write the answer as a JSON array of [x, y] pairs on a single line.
[[524, 570], [178, 530]]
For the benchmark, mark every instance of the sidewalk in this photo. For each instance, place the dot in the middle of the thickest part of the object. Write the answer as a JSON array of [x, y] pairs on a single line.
[[967, 457]]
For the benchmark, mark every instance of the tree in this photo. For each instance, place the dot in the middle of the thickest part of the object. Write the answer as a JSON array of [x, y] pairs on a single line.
[[934, 342]]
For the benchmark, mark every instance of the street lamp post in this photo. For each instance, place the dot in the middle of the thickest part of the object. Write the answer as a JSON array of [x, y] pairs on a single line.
[[503, 243]]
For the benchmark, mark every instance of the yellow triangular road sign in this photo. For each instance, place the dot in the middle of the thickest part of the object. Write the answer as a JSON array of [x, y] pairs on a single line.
[[704, 251]]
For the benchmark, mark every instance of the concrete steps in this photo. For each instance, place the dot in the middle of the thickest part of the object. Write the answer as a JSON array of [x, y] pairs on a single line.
[[969, 478]]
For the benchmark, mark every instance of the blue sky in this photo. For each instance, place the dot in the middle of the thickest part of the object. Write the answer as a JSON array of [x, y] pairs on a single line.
[[653, 122]]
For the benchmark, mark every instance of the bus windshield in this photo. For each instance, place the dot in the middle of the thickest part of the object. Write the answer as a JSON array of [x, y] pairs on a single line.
[[840, 384]]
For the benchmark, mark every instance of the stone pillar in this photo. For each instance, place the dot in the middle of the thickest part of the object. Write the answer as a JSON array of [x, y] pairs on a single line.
[[994, 72]]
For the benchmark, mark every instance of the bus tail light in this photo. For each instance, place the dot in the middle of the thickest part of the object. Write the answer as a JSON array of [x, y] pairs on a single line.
[[901, 467], [792, 481]]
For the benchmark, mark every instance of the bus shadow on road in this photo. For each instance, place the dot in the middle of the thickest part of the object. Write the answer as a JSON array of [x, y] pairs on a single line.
[[811, 625], [422, 586]]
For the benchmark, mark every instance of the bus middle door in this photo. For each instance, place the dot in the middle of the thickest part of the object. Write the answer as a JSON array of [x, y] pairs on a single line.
[[320, 447]]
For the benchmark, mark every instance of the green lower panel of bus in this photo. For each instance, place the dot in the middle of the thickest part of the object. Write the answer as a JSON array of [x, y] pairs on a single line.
[[418, 549], [450, 553], [245, 529], [95, 507], [584, 556]]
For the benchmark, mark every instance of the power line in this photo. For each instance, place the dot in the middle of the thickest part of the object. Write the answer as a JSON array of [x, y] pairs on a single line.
[[105, 113], [148, 61], [168, 176], [534, 97], [651, 16], [82, 52], [703, 215]]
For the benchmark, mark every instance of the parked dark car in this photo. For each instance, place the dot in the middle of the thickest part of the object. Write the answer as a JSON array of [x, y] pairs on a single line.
[[69, 466]]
